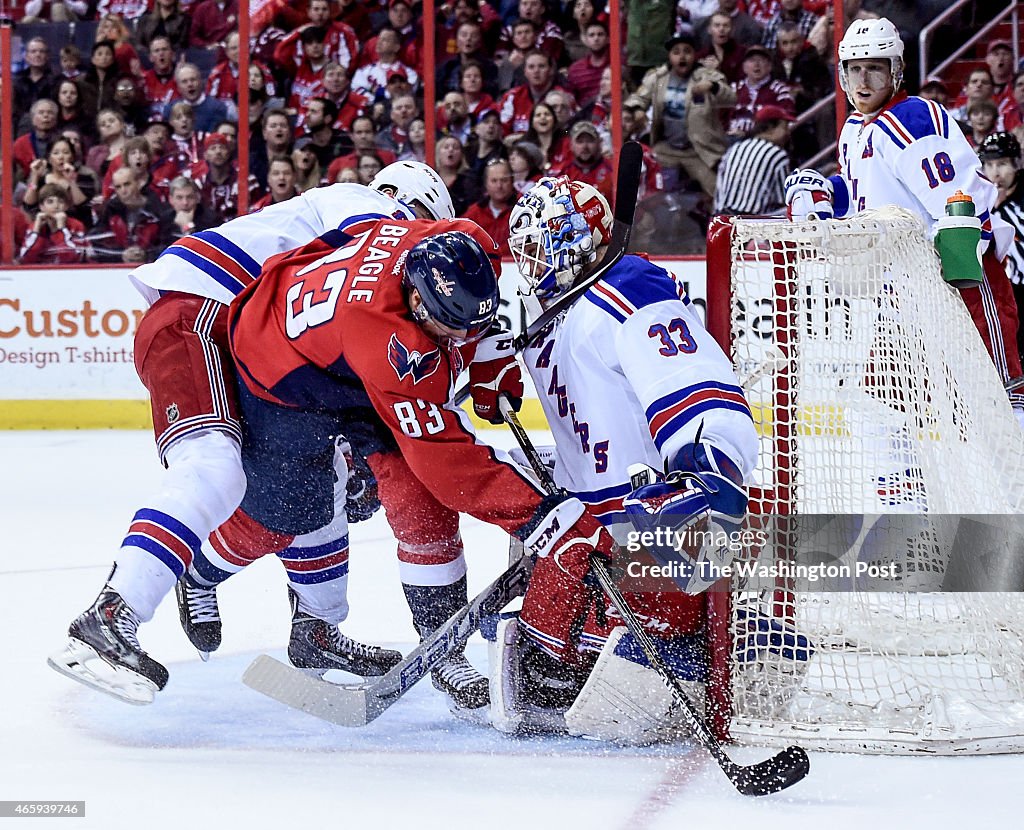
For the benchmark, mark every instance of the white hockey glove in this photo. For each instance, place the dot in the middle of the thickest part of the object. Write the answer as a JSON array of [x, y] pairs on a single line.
[[808, 196]]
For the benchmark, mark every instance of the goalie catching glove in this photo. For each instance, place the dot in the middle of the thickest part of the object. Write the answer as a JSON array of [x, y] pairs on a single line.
[[808, 196], [493, 372], [688, 519], [563, 535]]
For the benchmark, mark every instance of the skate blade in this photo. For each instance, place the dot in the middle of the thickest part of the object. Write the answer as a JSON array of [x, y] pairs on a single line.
[[203, 655], [82, 663]]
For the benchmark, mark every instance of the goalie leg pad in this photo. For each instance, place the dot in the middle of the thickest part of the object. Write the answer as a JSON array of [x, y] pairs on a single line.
[[514, 707], [628, 703]]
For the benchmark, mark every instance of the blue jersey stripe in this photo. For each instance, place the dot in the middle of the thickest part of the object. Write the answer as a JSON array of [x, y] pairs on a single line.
[[220, 276], [605, 493], [326, 549], [180, 530], [671, 398], [683, 418], [174, 564], [232, 250], [316, 577]]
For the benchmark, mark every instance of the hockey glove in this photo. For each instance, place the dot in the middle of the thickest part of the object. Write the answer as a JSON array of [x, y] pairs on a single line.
[[808, 196], [690, 520], [361, 499], [563, 536], [493, 372]]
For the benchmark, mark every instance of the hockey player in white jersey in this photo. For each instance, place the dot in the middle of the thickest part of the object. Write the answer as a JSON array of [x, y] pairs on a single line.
[[628, 375], [182, 357], [909, 152]]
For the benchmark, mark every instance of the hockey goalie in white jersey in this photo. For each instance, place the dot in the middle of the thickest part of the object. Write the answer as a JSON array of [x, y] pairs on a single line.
[[909, 152], [627, 375]]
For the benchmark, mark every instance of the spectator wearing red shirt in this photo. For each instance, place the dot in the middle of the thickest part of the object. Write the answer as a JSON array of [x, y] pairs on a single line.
[[723, 51], [307, 74], [409, 37], [216, 176], [517, 104], [166, 162], [354, 14], [54, 238], [493, 211], [341, 44], [584, 76], [371, 78], [588, 163], [132, 227], [212, 20], [1000, 63], [549, 35], [756, 90], [350, 105], [222, 82], [1014, 117], [113, 28], [545, 132], [280, 184], [158, 82], [188, 141], [32, 145]]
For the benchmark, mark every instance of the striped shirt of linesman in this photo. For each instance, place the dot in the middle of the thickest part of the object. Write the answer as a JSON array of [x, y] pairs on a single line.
[[1011, 211], [752, 173]]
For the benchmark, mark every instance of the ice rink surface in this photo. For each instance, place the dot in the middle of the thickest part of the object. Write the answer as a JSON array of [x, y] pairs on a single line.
[[212, 753]]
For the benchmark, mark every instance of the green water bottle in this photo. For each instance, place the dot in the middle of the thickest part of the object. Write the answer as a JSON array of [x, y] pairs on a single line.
[[958, 242]]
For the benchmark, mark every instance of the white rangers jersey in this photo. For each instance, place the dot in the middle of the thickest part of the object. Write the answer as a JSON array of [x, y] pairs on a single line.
[[913, 155], [220, 262], [628, 375]]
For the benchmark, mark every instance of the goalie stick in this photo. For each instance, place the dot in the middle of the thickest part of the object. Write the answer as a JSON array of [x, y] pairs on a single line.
[[770, 776], [357, 704]]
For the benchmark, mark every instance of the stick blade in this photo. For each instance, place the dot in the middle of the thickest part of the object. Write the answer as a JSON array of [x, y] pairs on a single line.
[[344, 705], [773, 775]]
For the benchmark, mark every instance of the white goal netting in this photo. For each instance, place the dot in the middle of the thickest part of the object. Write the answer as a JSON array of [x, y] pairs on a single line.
[[874, 395]]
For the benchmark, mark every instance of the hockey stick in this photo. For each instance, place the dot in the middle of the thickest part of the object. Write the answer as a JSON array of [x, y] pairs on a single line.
[[627, 185], [357, 704], [773, 775]]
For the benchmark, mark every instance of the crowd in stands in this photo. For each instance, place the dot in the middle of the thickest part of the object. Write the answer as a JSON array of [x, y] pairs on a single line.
[[129, 144]]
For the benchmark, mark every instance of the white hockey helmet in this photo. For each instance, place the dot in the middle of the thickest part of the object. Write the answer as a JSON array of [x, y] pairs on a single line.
[[555, 231], [872, 39], [415, 184]]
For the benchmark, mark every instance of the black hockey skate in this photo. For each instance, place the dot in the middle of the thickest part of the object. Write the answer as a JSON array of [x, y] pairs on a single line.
[[199, 614], [318, 647], [467, 688], [104, 652]]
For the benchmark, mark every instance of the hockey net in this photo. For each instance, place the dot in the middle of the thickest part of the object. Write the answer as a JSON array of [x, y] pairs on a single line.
[[873, 395]]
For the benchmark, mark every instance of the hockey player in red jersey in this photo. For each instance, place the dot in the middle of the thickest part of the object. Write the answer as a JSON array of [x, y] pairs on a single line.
[[182, 357], [367, 339]]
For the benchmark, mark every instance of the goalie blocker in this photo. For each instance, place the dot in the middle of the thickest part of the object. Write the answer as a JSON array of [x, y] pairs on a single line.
[[593, 679]]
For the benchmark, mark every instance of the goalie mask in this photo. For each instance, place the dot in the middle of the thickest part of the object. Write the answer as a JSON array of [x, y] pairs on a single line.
[[555, 232], [871, 39]]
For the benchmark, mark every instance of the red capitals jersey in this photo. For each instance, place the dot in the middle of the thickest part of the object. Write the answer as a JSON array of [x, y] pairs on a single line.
[[159, 90], [329, 328]]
